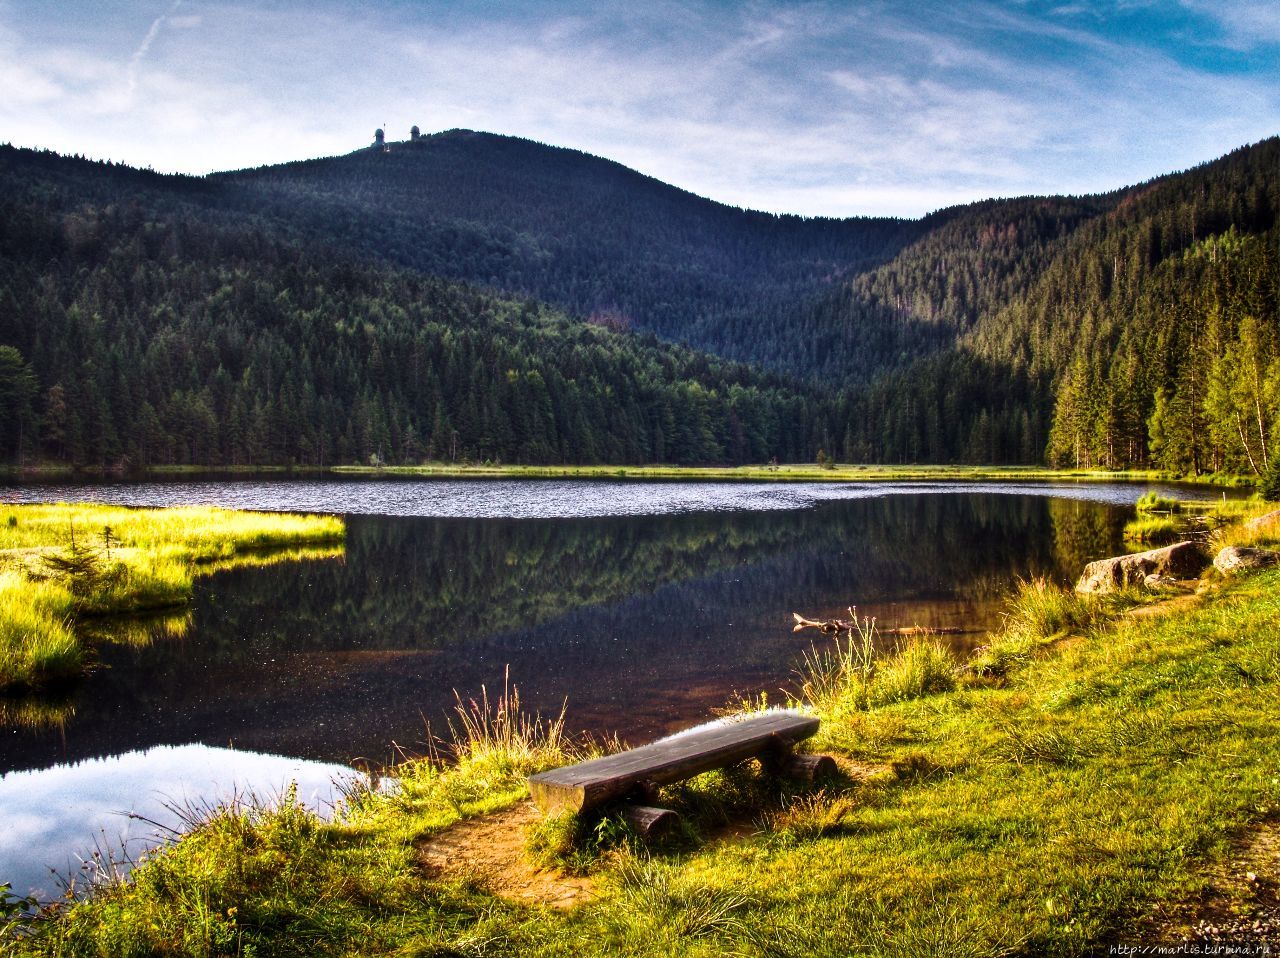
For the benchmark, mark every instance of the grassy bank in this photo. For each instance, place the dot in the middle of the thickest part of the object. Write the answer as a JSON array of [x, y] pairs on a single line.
[[1070, 785], [787, 472], [792, 472], [61, 565]]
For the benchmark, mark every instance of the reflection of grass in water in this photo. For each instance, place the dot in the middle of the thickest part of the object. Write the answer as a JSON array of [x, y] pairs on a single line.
[[137, 631], [45, 711], [63, 565], [261, 560]]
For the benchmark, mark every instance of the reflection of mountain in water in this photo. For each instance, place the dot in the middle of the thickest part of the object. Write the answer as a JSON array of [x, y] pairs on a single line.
[[638, 622]]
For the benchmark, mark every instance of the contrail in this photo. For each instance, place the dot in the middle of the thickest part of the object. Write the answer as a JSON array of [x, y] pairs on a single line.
[[145, 45]]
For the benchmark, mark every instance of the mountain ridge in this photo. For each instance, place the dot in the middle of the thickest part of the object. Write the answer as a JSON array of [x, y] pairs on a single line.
[[941, 339]]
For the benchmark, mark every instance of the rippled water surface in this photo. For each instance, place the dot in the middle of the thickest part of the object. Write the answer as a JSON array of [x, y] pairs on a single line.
[[545, 498], [639, 607]]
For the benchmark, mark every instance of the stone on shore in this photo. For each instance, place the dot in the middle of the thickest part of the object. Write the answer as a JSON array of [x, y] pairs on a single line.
[[1182, 560], [1235, 559], [1264, 521]]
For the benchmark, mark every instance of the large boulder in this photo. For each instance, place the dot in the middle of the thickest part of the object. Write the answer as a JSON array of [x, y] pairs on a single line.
[[1235, 559], [1182, 560], [1264, 522]]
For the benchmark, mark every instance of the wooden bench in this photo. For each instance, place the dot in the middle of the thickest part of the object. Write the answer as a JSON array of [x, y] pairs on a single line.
[[639, 771]]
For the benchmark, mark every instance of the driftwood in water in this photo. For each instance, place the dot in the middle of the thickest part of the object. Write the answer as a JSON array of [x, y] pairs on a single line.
[[835, 626]]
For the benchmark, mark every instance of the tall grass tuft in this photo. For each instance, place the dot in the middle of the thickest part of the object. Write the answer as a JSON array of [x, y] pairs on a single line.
[[494, 745], [1154, 502], [917, 669], [1037, 613], [35, 632], [850, 676], [1040, 609], [1153, 530]]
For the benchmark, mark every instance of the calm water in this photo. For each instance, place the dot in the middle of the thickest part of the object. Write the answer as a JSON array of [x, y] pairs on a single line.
[[640, 605]]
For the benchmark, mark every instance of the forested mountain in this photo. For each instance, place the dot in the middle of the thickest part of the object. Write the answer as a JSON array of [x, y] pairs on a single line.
[[583, 233], [146, 320], [312, 313], [1145, 334]]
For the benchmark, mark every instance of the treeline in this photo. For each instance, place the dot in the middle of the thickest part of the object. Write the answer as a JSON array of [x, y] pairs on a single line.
[[147, 332], [1142, 336]]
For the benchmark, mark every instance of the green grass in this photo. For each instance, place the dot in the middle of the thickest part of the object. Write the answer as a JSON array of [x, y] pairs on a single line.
[[36, 638], [790, 472], [1154, 530], [1154, 502], [63, 564], [1044, 811]]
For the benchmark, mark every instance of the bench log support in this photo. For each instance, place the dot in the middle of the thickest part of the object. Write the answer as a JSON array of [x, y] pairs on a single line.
[[650, 822]]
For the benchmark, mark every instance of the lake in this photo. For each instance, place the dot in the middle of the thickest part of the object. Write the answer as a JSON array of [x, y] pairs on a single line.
[[636, 607]]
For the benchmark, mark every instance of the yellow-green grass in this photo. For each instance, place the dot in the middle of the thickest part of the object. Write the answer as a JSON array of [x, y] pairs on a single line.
[[1154, 530], [1045, 811], [36, 638], [61, 564], [789, 472], [806, 472]]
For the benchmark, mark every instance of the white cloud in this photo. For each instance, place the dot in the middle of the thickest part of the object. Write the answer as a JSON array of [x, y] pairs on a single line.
[[820, 108]]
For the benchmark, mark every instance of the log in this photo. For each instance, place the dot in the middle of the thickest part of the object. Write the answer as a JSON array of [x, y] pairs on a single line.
[[650, 822], [809, 768], [833, 626]]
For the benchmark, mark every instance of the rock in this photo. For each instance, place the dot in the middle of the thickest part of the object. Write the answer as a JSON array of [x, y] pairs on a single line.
[[1182, 560], [1155, 582], [1264, 521], [1234, 559]]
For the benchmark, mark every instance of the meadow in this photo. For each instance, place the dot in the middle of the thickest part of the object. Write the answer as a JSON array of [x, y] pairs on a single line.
[[785, 472]]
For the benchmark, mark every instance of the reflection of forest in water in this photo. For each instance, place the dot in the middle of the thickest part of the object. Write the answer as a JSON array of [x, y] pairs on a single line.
[[640, 622]]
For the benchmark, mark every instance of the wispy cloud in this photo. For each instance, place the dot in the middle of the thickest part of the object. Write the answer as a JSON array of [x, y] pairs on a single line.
[[139, 54], [817, 107]]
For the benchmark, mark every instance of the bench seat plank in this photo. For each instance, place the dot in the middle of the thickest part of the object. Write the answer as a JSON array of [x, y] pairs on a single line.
[[587, 784]]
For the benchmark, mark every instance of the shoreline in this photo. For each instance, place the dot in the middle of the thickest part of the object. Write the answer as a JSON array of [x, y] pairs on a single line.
[[793, 472]]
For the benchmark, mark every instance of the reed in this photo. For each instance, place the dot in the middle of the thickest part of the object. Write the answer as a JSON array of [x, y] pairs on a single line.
[[850, 675]]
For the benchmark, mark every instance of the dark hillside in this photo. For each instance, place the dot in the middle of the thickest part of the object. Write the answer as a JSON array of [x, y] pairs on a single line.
[[586, 234], [149, 320], [1070, 340], [1135, 328]]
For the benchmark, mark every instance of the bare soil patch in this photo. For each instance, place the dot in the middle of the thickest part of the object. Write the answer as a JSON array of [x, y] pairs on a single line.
[[1239, 904], [489, 851], [1174, 605]]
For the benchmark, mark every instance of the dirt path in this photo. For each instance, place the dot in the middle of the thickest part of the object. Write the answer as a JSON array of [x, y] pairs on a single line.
[[490, 851], [1240, 903]]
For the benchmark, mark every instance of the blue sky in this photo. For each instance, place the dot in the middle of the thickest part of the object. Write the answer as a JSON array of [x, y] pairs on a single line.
[[836, 108]]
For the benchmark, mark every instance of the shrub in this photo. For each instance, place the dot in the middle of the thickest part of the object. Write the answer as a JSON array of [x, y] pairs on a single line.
[[1269, 488]]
